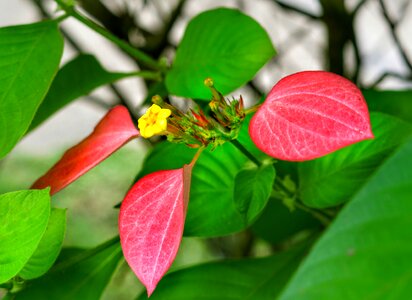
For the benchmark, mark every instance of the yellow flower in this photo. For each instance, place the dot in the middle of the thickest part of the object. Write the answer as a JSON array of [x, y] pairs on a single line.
[[154, 121]]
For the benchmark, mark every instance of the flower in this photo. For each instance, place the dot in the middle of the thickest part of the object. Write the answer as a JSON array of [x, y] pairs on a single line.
[[154, 121]]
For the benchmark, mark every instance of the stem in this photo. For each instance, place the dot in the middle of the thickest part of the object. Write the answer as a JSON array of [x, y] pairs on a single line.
[[196, 157], [246, 152], [323, 219], [147, 75], [252, 109], [139, 55]]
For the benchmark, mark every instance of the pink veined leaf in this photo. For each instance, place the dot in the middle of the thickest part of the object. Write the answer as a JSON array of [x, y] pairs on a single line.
[[151, 222], [112, 132], [310, 114]]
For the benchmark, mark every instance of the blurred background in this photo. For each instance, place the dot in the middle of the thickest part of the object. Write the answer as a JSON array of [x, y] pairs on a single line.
[[367, 41]]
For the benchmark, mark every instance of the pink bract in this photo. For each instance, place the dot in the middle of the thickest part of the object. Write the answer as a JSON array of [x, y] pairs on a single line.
[[310, 114], [151, 224]]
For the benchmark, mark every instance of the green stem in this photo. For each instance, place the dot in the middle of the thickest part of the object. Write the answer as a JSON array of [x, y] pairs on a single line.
[[139, 55], [147, 75], [322, 218], [246, 152]]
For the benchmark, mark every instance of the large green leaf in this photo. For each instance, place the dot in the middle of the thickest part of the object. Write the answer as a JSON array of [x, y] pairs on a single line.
[[77, 275], [366, 252], [223, 44], [49, 247], [396, 103], [261, 278], [253, 187], [212, 210], [77, 78], [333, 179], [29, 58], [24, 216], [277, 223]]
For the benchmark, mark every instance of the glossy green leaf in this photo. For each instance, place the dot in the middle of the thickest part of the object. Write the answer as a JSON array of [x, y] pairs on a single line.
[[78, 77], [396, 103], [223, 44], [24, 216], [366, 252], [277, 223], [212, 210], [29, 59], [333, 179], [49, 247], [77, 275], [249, 279], [253, 187]]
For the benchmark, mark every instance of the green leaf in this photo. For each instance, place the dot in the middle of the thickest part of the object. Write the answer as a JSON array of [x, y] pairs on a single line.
[[77, 78], [223, 44], [29, 58], [333, 179], [49, 247], [396, 103], [366, 252], [24, 216], [212, 210], [259, 278], [77, 275], [253, 187], [277, 223]]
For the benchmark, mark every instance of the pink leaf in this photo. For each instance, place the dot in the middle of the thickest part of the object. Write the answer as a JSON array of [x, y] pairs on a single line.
[[309, 114], [151, 223], [112, 132]]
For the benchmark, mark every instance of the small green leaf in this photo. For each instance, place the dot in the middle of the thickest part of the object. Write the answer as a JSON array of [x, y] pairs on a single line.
[[333, 179], [223, 44], [396, 103], [277, 223], [366, 252], [49, 247], [77, 275], [29, 59], [78, 77], [249, 279], [24, 216], [253, 187]]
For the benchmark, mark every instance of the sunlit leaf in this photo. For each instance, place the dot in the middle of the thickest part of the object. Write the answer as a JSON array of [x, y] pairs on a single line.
[[29, 59], [49, 247], [24, 216]]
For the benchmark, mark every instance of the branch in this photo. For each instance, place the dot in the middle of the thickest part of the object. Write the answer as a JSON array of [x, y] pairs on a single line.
[[390, 74], [392, 25], [297, 10]]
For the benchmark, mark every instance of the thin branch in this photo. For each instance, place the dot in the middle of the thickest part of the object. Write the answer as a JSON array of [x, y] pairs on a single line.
[[358, 7], [390, 74], [297, 10], [392, 25]]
